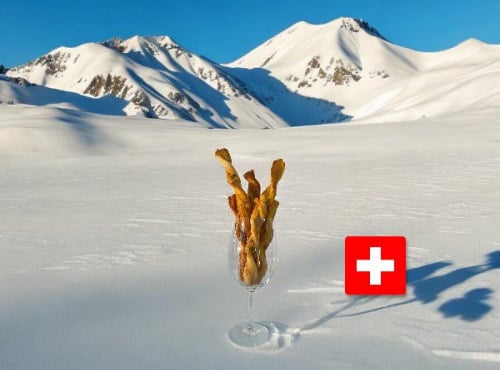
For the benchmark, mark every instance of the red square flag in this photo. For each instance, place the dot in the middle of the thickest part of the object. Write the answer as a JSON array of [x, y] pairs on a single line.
[[375, 265]]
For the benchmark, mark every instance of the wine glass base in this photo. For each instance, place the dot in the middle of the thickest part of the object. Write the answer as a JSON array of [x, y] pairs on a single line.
[[247, 334]]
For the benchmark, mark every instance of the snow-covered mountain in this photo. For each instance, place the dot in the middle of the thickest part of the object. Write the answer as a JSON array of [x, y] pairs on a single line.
[[348, 62], [307, 74], [154, 76]]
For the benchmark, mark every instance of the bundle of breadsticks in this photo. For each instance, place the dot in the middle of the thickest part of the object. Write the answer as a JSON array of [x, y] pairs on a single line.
[[254, 214]]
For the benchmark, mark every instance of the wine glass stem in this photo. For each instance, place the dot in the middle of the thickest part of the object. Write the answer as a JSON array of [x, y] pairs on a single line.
[[250, 304]]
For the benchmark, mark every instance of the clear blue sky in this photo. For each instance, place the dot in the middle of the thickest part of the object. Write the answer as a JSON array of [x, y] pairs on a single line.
[[225, 30]]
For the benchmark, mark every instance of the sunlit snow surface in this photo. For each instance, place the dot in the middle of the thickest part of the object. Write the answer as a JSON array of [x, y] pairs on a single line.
[[113, 235]]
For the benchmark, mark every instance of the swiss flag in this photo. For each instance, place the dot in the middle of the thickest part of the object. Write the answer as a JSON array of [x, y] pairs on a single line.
[[375, 265]]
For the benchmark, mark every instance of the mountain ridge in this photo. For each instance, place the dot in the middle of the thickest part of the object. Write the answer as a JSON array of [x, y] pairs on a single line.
[[155, 76], [306, 74]]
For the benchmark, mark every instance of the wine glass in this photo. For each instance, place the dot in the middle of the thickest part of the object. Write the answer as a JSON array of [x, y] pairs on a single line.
[[250, 333]]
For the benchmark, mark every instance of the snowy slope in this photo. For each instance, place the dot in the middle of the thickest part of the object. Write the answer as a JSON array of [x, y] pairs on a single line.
[[456, 80], [15, 91], [114, 233], [155, 76], [347, 62]]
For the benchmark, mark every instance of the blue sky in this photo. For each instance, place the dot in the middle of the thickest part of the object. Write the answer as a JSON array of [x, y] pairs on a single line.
[[225, 30]]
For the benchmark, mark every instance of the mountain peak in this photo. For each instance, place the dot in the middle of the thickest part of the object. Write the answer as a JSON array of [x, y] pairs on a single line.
[[346, 23], [357, 24], [114, 43], [138, 42], [343, 45]]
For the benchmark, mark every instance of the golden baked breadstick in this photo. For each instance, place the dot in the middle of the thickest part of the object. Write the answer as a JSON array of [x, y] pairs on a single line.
[[242, 261], [231, 200], [266, 237], [277, 170], [234, 208], [233, 179], [267, 230], [256, 222], [250, 271], [253, 188]]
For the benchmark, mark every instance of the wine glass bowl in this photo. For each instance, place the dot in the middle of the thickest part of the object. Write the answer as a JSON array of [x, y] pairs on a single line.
[[250, 333]]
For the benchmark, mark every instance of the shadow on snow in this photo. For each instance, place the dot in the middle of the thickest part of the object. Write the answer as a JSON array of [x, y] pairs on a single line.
[[427, 287]]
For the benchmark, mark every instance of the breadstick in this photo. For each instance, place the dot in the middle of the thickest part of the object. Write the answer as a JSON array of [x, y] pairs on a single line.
[[253, 188], [250, 271], [233, 179], [267, 230], [277, 170]]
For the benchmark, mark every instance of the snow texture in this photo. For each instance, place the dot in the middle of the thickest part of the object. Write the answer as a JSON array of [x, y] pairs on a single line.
[[114, 234]]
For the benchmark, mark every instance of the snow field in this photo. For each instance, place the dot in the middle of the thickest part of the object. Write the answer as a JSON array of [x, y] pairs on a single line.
[[114, 234]]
